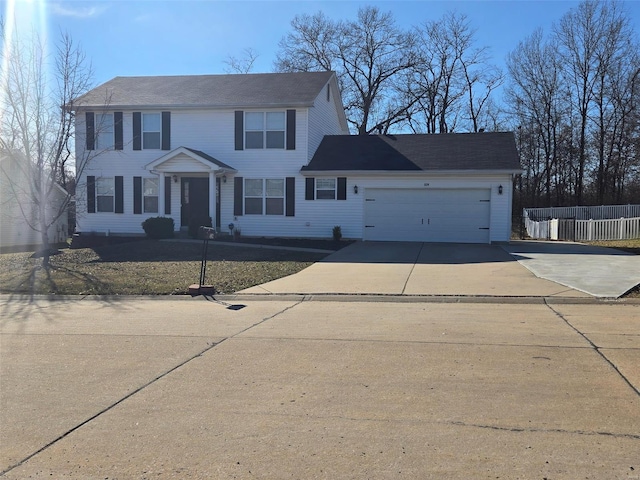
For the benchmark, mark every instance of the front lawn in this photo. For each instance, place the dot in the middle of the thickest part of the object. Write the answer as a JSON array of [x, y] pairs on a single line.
[[147, 268]]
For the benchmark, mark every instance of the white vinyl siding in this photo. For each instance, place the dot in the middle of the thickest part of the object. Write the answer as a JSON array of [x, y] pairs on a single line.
[[324, 119]]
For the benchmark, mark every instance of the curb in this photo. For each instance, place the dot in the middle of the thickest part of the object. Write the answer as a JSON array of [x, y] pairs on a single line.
[[330, 297]]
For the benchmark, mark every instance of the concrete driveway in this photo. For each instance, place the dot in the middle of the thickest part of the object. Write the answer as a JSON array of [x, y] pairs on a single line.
[[521, 269], [598, 271]]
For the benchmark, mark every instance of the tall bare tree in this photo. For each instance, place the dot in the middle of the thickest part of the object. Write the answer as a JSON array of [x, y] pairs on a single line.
[[586, 36], [536, 96], [36, 123], [368, 54], [453, 82]]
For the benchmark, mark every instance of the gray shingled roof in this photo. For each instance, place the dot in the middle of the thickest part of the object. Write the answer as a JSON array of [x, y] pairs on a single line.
[[421, 152], [235, 90]]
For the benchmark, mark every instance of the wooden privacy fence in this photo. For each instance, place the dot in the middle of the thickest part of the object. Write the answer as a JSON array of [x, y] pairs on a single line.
[[578, 228]]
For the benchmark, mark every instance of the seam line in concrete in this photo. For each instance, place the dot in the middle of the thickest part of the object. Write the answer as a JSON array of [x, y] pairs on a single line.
[[139, 389], [544, 430], [595, 348], [106, 409], [419, 342], [404, 287]]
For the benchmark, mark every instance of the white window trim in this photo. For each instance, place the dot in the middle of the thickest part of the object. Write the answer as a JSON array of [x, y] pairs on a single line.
[[112, 195], [143, 131], [102, 132], [265, 130], [335, 188], [144, 196], [265, 196]]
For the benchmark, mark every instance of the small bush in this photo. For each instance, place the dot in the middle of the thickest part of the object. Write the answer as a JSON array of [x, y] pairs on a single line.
[[337, 233], [158, 227], [197, 221]]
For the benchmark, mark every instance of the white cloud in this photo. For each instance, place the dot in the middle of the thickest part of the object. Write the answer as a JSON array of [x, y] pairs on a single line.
[[65, 10]]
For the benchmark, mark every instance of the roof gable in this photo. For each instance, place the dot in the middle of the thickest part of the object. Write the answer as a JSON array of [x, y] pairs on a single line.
[[261, 90], [417, 153], [188, 159]]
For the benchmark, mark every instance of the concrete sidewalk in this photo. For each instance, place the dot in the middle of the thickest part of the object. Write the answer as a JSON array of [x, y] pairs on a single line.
[[186, 388], [411, 268]]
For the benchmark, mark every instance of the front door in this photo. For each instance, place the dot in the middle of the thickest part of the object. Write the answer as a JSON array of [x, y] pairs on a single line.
[[194, 200]]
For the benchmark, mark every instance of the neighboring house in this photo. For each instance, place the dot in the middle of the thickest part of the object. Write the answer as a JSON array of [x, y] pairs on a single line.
[[17, 210], [271, 154]]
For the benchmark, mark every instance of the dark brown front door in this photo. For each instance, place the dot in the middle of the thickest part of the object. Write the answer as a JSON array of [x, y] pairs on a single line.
[[194, 195]]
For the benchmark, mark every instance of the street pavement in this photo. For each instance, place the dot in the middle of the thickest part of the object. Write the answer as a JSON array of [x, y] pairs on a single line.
[[271, 387]]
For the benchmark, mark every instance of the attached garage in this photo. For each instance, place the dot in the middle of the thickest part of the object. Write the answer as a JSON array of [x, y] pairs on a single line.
[[452, 187], [442, 215]]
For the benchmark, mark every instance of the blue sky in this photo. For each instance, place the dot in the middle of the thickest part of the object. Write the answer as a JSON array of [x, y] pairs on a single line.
[[176, 37]]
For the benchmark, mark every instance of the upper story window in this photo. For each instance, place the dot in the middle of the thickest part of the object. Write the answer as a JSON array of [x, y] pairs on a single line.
[[104, 132], [151, 131], [325, 188], [265, 130], [105, 194]]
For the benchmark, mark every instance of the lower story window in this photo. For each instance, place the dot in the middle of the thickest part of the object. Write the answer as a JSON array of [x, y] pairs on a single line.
[[105, 194], [325, 188], [150, 195], [264, 196]]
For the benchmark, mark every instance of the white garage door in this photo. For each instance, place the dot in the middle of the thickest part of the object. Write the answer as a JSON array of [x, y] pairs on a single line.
[[417, 215]]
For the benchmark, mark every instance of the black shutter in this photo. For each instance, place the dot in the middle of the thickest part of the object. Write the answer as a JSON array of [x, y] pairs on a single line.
[[137, 194], [167, 195], [91, 194], [239, 130], [117, 125], [290, 197], [166, 130], [237, 195], [342, 188], [119, 200], [309, 188], [291, 129], [91, 130], [137, 131]]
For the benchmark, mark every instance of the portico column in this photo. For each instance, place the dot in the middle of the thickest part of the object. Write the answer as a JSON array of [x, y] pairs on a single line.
[[161, 211], [212, 197]]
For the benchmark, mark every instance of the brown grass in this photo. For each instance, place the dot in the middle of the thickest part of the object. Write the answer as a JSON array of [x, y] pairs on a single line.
[[147, 268]]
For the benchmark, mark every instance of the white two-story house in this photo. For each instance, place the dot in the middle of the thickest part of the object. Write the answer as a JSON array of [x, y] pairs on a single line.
[[272, 155]]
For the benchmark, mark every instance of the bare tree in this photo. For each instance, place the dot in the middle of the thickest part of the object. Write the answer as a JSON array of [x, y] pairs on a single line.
[[310, 46], [37, 123], [451, 69], [536, 98], [579, 34], [368, 55], [243, 64]]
